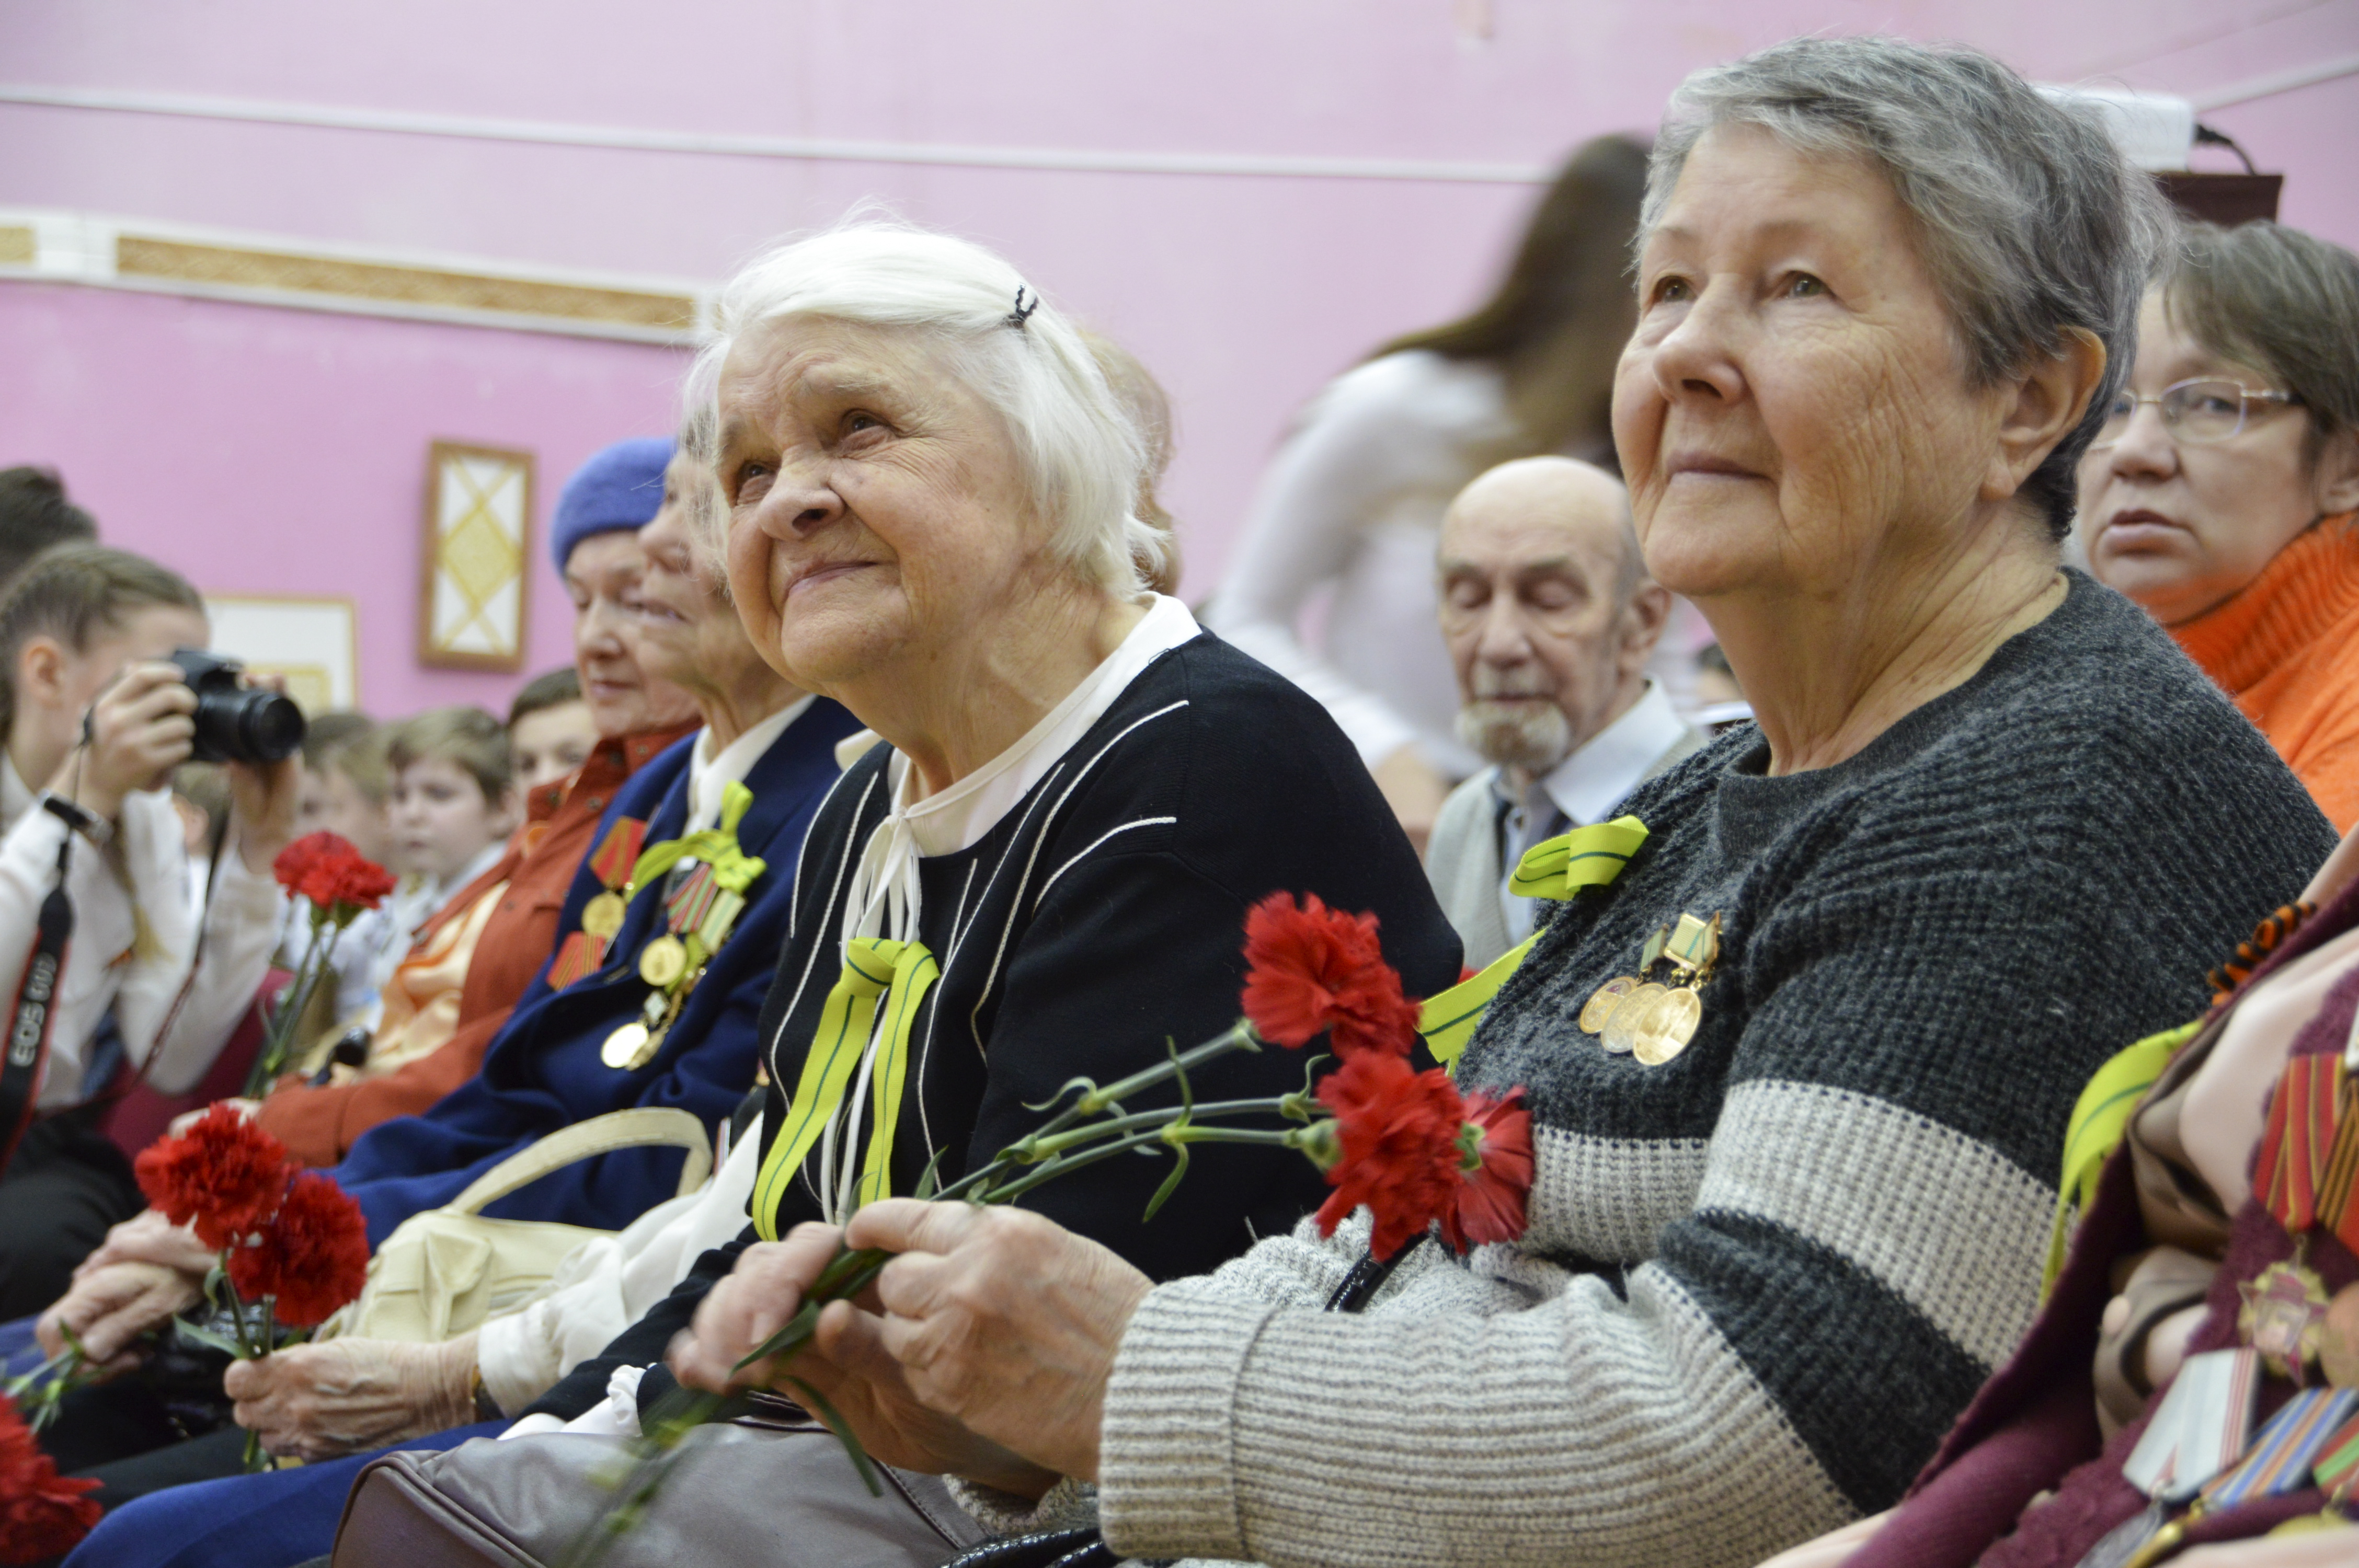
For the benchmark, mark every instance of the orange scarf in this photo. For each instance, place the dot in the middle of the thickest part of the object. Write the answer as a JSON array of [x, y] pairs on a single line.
[[2285, 647]]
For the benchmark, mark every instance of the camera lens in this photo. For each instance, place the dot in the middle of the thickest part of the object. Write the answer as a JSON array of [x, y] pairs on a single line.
[[269, 726]]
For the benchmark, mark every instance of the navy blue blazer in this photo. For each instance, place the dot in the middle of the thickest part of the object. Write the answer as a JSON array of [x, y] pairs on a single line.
[[542, 1070]]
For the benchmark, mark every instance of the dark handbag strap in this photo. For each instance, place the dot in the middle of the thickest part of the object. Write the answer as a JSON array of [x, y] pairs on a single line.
[[1085, 1547]]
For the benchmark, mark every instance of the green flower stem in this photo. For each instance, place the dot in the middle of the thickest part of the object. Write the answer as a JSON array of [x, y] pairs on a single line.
[[278, 1041], [1168, 1134], [1034, 1149]]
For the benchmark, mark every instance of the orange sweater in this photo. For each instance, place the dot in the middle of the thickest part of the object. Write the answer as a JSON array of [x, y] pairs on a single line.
[[2286, 648]]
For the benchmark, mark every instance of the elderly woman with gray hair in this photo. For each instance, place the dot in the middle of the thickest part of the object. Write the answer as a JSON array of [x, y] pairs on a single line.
[[1991, 827]]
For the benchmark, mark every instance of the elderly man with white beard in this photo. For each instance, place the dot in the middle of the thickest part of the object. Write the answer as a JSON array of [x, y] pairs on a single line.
[[1550, 618]]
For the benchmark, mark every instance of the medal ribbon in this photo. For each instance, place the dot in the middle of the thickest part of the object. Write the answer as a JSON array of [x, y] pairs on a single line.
[[583, 953], [876, 970], [717, 847], [1555, 869], [2201, 1427], [2300, 1134], [2338, 1457], [2099, 1118], [2281, 1456]]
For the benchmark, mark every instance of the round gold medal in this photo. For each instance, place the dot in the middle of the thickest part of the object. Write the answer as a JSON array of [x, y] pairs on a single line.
[[1667, 1028], [1621, 1032], [664, 961], [603, 915], [1604, 1000], [622, 1046]]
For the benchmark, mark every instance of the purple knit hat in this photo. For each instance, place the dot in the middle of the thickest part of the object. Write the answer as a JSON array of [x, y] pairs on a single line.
[[620, 487]]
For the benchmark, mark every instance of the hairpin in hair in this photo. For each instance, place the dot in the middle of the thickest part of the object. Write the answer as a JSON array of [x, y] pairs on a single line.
[[1023, 312]]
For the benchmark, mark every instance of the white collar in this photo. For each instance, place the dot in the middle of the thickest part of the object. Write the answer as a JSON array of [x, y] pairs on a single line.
[[1597, 776], [708, 777], [485, 858], [959, 816], [15, 799]]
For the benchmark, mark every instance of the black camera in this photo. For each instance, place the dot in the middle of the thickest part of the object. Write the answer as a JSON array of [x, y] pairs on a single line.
[[235, 723]]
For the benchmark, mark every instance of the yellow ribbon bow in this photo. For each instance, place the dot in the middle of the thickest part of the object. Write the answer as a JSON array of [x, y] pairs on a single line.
[[2100, 1117], [1557, 868], [877, 972], [716, 847]]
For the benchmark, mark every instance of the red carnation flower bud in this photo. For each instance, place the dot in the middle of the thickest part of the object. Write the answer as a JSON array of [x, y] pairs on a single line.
[[313, 1257], [338, 879], [1400, 1133], [225, 1172], [295, 861], [1313, 968], [42, 1514]]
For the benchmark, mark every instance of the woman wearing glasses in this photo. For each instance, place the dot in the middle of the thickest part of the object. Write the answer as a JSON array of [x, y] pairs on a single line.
[[2220, 494]]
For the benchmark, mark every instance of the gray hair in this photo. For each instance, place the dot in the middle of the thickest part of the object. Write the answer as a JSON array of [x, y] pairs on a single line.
[[1082, 456], [2027, 216], [2285, 303]]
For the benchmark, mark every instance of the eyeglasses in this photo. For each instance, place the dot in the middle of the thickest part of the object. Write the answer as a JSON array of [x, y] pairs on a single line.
[[2210, 409]]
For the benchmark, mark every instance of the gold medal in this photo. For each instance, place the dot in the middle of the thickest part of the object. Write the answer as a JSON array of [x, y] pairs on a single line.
[[603, 915], [2284, 1317], [1621, 1032], [664, 961], [622, 1049], [1602, 1004], [1667, 1027]]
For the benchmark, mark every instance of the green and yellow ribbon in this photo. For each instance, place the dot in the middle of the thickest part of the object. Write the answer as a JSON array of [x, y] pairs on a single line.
[[878, 972], [716, 847], [2100, 1117], [1556, 868]]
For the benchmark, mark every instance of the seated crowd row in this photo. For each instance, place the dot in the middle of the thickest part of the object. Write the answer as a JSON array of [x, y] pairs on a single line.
[[1765, 1148]]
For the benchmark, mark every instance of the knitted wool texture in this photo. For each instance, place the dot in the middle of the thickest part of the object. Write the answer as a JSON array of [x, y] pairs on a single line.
[[1761, 1280]]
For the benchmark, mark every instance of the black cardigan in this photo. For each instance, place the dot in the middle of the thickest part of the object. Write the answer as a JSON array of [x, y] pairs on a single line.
[[1104, 911]]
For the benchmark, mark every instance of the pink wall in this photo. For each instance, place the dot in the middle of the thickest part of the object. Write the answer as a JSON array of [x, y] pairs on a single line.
[[1244, 293], [257, 449]]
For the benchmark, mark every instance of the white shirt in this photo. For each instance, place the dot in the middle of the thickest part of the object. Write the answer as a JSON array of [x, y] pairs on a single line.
[[708, 777], [1582, 789], [106, 964], [1354, 500]]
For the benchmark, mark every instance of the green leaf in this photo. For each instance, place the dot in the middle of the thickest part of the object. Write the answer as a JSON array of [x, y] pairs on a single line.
[[204, 1336], [1170, 1184], [792, 1336], [1087, 1087], [929, 1183], [834, 1421]]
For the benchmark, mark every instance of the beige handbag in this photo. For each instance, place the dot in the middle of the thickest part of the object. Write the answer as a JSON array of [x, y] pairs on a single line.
[[446, 1271]]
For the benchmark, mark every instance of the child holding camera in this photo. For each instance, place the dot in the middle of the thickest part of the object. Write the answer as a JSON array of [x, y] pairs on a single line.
[[94, 718]]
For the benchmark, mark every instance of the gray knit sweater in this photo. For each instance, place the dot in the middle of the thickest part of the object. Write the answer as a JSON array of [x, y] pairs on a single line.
[[1761, 1280]]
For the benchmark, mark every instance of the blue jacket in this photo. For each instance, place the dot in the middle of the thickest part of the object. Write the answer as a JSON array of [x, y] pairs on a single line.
[[543, 1071]]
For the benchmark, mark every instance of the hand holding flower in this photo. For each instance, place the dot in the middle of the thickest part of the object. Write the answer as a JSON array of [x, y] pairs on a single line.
[[321, 1401], [110, 1308]]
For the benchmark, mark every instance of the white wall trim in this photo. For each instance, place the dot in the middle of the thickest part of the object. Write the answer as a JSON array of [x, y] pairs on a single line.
[[83, 248], [815, 150], [2277, 82]]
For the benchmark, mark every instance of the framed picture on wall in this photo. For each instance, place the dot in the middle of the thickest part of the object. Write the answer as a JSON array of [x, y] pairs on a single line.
[[312, 642], [471, 610]]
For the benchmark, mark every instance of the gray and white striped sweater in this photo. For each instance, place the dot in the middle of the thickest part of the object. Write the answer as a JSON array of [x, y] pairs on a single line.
[[1760, 1281]]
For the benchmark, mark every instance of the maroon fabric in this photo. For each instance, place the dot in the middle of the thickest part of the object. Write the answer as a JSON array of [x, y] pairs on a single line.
[[2033, 1426], [142, 1113]]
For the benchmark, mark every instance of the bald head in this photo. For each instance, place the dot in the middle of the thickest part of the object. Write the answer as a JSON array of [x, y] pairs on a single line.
[[1546, 608]]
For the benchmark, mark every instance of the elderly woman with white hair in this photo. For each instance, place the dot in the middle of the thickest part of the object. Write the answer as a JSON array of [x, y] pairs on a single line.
[[1991, 827]]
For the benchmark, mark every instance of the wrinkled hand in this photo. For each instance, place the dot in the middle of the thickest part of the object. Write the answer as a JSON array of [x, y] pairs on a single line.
[[995, 1318], [148, 1237], [141, 728], [108, 1308], [347, 1396]]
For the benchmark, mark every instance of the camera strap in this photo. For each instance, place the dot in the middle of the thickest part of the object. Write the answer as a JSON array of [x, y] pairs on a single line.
[[33, 1016]]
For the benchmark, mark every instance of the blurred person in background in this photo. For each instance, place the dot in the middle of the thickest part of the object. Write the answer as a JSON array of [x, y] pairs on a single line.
[[96, 721], [2220, 494], [34, 515], [346, 790], [551, 730], [455, 797], [755, 776], [1356, 496], [1549, 619]]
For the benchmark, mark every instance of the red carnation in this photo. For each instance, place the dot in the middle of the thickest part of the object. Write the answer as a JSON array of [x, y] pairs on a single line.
[[313, 1257], [1313, 968], [225, 1172], [337, 878], [1399, 1130], [42, 1514], [1495, 1170]]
